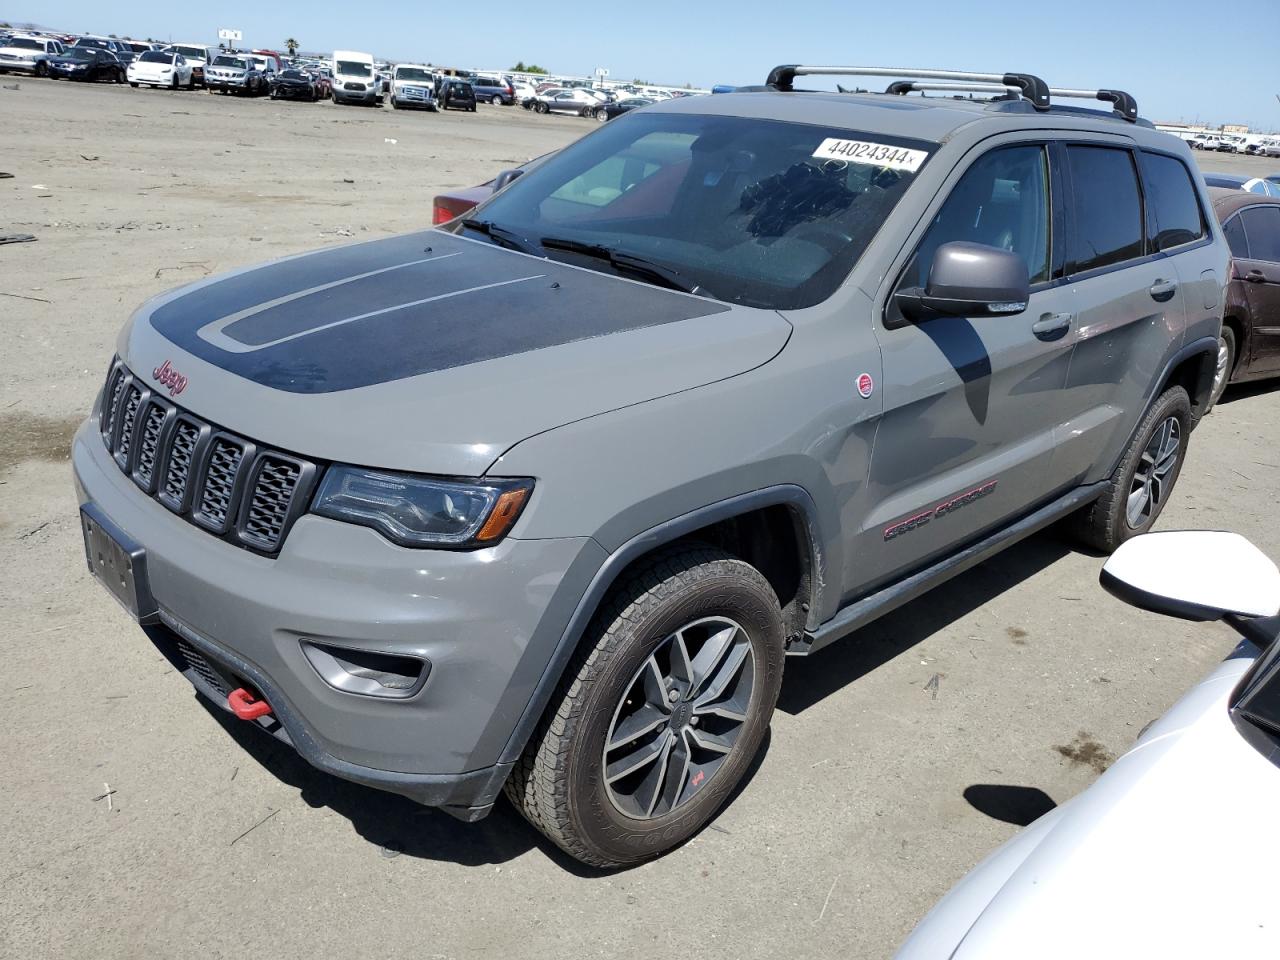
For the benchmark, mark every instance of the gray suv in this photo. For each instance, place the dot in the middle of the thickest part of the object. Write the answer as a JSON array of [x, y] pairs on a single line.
[[543, 500]]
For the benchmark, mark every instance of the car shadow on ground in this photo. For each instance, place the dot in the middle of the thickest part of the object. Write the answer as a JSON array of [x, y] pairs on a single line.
[[399, 827], [1246, 391], [810, 680]]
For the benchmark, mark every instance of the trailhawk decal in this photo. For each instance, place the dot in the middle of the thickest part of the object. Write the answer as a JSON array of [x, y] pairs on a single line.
[[374, 312], [941, 510]]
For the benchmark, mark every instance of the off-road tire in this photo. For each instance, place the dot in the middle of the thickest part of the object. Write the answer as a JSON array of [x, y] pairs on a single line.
[[1103, 524], [558, 783]]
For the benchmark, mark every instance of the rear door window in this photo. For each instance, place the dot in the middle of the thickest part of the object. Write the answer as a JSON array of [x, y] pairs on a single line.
[[1262, 224], [1173, 210], [1106, 208]]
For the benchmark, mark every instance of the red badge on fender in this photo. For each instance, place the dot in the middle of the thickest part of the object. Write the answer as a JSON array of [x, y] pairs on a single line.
[[866, 386]]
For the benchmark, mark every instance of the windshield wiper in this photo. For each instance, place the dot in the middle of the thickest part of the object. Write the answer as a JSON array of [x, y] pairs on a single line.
[[625, 263], [500, 235]]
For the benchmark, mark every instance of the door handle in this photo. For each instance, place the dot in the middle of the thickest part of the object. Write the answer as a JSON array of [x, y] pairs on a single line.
[[1051, 323], [1256, 276], [1163, 290]]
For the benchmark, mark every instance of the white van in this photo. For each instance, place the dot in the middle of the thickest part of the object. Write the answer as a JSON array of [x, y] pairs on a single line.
[[354, 79], [413, 85]]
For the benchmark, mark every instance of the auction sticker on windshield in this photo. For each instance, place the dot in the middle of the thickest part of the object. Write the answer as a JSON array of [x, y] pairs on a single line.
[[876, 154]]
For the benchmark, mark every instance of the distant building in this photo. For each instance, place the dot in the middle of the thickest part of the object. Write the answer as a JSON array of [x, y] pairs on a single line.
[[1235, 128]]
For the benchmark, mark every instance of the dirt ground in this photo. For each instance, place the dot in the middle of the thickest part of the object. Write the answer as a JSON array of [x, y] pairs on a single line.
[[215, 841]]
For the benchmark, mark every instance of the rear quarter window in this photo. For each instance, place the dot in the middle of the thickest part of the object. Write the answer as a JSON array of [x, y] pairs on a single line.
[[1107, 208], [1173, 209]]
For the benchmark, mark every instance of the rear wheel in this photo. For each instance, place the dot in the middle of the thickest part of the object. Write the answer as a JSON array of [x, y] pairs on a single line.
[[1143, 482], [540, 107], [1225, 366], [174, 84], [134, 85], [661, 713], [602, 114], [42, 69]]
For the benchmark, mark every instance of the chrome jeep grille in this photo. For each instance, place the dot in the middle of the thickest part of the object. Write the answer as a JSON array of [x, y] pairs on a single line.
[[222, 482]]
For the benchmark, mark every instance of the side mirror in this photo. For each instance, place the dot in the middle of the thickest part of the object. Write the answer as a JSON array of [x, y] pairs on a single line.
[[505, 177], [1194, 575], [969, 280]]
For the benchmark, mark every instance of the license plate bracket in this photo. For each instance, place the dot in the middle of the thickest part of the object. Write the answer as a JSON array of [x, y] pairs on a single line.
[[118, 563]]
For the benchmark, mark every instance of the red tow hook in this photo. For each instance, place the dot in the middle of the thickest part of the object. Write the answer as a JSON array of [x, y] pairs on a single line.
[[245, 707]]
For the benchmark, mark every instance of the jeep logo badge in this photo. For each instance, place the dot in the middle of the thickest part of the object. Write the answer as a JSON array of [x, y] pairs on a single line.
[[166, 376], [866, 386]]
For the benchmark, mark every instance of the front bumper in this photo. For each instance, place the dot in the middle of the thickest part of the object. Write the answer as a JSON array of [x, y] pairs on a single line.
[[371, 94], [227, 83], [21, 66], [486, 620], [413, 97]]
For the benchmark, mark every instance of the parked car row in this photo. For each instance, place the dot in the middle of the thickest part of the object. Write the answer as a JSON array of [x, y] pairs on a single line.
[[351, 77]]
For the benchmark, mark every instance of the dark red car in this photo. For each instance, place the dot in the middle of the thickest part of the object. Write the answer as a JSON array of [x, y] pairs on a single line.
[[1250, 345]]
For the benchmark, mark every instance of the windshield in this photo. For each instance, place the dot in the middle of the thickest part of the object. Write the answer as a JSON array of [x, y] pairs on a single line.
[[354, 68], [78, 53], [196, 53], [229, 62], [295, 75], [22, 43], [761, 212], [91, 42], [412, 73], [155, 56]]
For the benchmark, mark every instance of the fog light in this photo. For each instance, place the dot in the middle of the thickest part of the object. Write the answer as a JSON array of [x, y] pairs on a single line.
[[366, 672]]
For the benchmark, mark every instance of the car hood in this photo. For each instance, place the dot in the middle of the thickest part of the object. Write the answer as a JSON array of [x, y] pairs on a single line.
[[431, 352], [1164, 856]]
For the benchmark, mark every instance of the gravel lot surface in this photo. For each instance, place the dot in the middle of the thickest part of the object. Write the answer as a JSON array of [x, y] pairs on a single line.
[[216, 841]]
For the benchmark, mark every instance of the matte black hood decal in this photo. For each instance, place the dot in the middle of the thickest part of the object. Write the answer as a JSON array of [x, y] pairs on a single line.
[[389, 309]]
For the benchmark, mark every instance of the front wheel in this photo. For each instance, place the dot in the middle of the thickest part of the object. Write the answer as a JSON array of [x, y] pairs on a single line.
[[1143, 482], [42, 69], [602, 114], [132, 84], [540, 107], [661, 712]]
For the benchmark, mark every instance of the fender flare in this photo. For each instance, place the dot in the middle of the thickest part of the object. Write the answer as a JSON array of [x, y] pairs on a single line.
[[1201, 345], [789, 495]]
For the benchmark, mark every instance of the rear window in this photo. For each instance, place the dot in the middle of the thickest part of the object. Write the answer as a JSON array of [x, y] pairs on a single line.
[[1173, 212], [1108, 208], [229, 62], [354, 68], [154, 56]]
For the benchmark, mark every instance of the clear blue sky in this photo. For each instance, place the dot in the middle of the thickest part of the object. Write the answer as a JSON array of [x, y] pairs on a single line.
[[1182, 60]]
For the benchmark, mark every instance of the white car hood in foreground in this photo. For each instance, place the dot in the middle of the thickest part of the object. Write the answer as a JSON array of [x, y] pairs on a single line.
[[1171, 854]]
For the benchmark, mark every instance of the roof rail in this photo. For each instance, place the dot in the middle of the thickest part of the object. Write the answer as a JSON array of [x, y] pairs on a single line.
[[1026, 85]]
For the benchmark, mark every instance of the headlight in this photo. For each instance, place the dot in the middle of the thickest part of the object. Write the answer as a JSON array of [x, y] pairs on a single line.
[[417, 511]]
